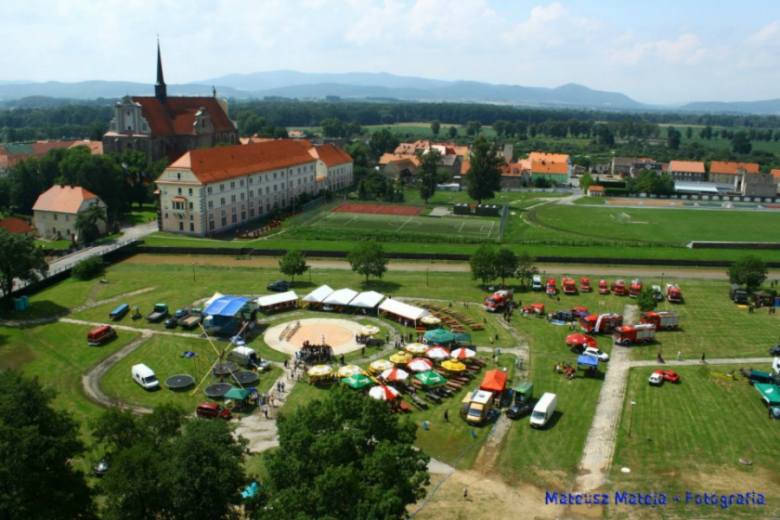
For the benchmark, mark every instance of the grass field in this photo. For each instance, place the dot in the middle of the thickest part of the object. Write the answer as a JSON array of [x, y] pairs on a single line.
[[479, 227]]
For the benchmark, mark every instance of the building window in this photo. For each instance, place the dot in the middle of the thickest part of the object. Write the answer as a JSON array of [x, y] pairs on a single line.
[[221, 187], [241, 183], [242, 196], [166, 215], [192, 217], [243, 215], [233, 219], [191, 206], [232, 185], [233, 210], [179, 191], [251, 193], [250, 181], [232, 198], [211, 204], [222, 201], [192, 227], [190, 191], [224, 212], [211, 225], [224, 221], [55, 216], [208, 190], [181, 226]]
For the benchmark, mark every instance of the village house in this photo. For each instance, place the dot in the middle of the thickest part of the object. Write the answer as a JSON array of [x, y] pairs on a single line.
[[56, 209], [595, 191], [687, 171], [731, 172], [17, 226], [551, 166], [759, 185]]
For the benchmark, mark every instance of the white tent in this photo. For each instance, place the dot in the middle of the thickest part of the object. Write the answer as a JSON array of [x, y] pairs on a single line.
[[368, 300], [318, 295], [410, 312], [211, 300], [340, 297], [276, 299]]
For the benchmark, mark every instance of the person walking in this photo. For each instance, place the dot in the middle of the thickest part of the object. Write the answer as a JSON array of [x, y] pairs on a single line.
[[265, 410], [465, 493], [679, 356], [703, 359]]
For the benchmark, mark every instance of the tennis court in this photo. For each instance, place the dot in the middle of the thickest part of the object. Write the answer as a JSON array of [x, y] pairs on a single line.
[[482, 227]]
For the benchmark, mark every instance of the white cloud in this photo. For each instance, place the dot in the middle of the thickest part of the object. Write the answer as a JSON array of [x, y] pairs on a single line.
[[687, 49]]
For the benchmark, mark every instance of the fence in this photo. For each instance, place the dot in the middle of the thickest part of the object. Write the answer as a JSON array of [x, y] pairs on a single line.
[[504, 213]]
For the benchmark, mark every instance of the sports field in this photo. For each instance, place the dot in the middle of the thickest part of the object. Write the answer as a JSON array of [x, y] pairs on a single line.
[[480, 227]]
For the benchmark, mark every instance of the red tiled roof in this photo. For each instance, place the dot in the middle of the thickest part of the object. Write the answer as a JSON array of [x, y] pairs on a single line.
[[775, 173], [686, 166], [216, 164], [42, 147], [730, 168], [177, 115], [15, 225], [387, 158], [63, 199], [548, 157], [595, 188], [547, 166], [331, 155]]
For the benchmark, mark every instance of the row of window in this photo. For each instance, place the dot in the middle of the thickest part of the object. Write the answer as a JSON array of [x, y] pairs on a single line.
[[259, 179]]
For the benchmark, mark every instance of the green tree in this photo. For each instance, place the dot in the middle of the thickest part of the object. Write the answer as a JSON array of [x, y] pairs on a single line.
[[740, 143], [333, 127], [368, 259], [526, 268], [435, 127], [605, 135], [483, 264], [37, 447], [689, 132], [453, 132], [20, 259], [673, 137], [383, 141], [428, 173], [88, 268], [87, 223], [353, 458], [293, 263], [749, 270], [473, 127], [506, 264], [484, 174], [645, 300], [586, 181]]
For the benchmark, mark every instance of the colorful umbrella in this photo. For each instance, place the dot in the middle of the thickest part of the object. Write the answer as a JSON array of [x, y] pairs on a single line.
[[420, 365], [380, 365], [416, 348], [368, 330], [462, 353], [395, 374], [430, 378], [349, 370], [320, 370], [357, 381], [580, 339], [401, 358], [383, 393], [453, 366], [430, 320], [437, 353], [439, 336]]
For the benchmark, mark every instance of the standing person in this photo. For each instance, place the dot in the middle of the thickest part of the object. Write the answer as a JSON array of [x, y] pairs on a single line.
[[265, 410], [703, 359], [466, 493], [679, 356], [446, 416], [323, 339]]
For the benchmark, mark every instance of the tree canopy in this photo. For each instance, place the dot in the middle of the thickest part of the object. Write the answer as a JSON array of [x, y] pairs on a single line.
[[343, 458], [19, 258], [368, 259], [428, 173], [506, 264], [293, 264], [484, 174], [483, 264], [645, 300], [749, 270], [87, 223], [37, 444]]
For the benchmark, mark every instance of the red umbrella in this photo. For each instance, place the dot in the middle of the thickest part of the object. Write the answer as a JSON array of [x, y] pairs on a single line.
[[395, 374], [580, 339], [420, 365], [463, 353], [383, 393]]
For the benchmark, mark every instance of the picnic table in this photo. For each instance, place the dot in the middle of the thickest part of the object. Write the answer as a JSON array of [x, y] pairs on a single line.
[[433, 397]]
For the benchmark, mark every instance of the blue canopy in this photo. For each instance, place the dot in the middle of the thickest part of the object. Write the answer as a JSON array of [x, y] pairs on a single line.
[[250, 491], [226, 306], [588, 361]]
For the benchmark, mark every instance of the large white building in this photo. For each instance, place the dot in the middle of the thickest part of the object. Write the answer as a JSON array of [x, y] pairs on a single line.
[[56, 210], [213, 190]]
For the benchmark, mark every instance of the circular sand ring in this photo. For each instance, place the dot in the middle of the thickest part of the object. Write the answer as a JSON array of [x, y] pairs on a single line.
[[339, 335]]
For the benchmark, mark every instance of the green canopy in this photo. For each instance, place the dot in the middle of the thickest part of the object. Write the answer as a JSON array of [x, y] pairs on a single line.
[[238, 393], [430, 378], [439, 336], [526, 389], [769, 392], [357, 381]]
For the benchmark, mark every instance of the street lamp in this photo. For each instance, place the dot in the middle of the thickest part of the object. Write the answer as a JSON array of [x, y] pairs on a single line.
[[426, 277], [631, 419], [662, 281], [193, 272]]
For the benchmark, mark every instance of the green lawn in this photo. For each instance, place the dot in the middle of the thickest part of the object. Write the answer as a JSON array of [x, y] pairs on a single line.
[[478, 227], [55, 300], [146, 213], [690, 437]]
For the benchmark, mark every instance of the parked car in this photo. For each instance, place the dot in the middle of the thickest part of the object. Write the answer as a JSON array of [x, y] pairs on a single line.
[[774, 351], [181, 313], [102, 467], [670, 376], [100, 335], [596, 353], [562, 316], [518, 410], [264, 365], [211, 410], [279, 286], [171, 323], [657, 378]]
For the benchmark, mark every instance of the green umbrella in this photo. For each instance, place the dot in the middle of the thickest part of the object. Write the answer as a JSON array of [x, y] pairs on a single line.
[[439, 336], [430, 378], [357, 381]]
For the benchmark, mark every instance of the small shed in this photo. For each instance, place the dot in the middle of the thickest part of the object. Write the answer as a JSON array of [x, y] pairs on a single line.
[[596, 191], [401, 312]]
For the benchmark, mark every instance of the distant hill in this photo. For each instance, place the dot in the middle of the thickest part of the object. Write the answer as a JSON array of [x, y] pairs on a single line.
[[103, 89], [768, 107]]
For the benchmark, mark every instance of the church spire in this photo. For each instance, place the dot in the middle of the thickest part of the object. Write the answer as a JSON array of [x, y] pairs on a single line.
[[160, 90]]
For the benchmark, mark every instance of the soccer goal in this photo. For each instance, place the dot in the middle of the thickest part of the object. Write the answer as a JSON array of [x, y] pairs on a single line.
[[623, 218]]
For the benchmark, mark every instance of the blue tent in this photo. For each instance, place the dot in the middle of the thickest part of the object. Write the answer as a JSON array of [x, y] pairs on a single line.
[[588, 361], [227, 306], [250, 491]]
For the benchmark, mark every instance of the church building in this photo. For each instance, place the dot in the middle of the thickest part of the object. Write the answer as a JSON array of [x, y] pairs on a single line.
[[163, 126]]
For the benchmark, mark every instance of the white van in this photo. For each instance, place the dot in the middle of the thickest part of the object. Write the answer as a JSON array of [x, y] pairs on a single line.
[[144, 376], [544, 410], [243, 355], [537, 283]]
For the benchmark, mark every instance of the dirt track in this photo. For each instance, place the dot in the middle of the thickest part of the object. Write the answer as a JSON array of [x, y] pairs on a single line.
[[574, 270]]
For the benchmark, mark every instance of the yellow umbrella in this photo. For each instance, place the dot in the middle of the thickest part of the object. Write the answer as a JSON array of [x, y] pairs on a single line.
[[430, 320], [380, 365], [453, 366], [368, 330], [416, 348], [401, 358], [349, 370], [320, 371]]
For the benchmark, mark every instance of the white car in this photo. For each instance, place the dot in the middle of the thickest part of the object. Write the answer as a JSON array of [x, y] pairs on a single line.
[[596, 353], [656, 379]]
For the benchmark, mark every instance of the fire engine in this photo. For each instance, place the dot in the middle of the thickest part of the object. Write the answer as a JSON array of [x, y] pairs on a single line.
[[551, 289], [585, 285], [619, 288], [673, 293], [636, 288], [662, 319], [498, 301], [569, 287], [598, 323], [603, 287], [629, 334]]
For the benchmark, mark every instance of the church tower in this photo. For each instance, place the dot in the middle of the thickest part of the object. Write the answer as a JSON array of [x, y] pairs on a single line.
[[160, 90]]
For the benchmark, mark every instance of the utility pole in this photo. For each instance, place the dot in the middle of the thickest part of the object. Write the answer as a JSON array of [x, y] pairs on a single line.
[[631, 419]]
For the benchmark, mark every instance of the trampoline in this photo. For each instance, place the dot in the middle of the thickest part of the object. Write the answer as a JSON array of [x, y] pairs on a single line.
[[217, 390], [245, 377], [180, 381], [225, 369]]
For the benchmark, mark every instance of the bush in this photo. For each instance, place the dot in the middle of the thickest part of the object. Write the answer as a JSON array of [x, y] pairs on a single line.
[[88, 268]]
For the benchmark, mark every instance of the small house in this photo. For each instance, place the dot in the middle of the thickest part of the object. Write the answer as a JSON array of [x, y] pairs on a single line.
[[56, 209]]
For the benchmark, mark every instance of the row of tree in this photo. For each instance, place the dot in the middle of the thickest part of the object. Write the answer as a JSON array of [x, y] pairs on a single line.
[[488, 264]]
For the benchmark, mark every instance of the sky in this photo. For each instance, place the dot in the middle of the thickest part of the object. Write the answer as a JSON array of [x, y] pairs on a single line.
[[654, 51]]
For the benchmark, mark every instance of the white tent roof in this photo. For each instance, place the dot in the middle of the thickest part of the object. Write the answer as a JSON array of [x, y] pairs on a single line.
[[402, 309], [211, 300], [318, 294], [275, 299], [340, 297], [369, 299]]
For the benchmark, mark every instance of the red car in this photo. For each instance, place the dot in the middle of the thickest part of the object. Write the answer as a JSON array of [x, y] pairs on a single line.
[[669, 375], [213, 410]]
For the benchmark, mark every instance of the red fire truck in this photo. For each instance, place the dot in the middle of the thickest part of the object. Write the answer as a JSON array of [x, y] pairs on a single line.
[[668, 320], [585, 285], [600, 323], [498, 301], [619, 288], [636, 288], [673, 293], [630, 334], [569, 287]]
